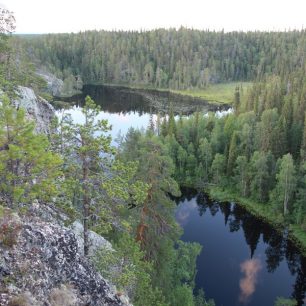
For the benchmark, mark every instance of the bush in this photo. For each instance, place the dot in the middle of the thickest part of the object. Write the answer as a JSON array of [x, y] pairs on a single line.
[[9, 228], [23, 299], [63, 296]]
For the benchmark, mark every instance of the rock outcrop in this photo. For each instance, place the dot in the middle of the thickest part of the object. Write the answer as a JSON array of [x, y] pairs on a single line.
[[44, 267], [96, 242], [54, 84], [36, 108]]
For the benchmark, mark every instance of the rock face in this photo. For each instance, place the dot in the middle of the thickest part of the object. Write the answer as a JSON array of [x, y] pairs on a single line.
[[96, 242], [45, 267], [54, 84], [37, 109]]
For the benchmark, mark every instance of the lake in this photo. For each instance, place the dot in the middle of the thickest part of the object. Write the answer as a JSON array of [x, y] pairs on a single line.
[[125, 107], [244, 261]]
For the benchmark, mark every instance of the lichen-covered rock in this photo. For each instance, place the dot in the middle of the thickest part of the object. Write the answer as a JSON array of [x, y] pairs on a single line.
[[45, 263], [54, 84], [36, 108], [96, 242]]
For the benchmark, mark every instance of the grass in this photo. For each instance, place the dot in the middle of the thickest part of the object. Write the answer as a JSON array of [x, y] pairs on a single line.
[[263, 212], [219, 93], [222, 93]]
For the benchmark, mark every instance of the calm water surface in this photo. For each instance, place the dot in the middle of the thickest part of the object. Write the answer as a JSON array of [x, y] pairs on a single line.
[[243, 261], [125, 108]]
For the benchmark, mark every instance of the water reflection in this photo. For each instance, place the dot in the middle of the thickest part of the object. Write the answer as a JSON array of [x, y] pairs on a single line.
[[250, 268], [270, 252], [116, 99], [183, 214]]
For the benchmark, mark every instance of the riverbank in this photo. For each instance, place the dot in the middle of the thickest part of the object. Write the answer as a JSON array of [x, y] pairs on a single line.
[[262, 211], [218, 94]]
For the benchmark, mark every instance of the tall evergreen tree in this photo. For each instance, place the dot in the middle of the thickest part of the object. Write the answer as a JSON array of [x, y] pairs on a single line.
[[283, 193]]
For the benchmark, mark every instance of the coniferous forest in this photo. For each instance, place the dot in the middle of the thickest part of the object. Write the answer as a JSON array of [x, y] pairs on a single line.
[[176, 59], [259, 148], [255, 154]]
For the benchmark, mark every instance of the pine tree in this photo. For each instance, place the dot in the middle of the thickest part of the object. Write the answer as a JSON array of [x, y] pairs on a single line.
[[28, 168], [93, 172]]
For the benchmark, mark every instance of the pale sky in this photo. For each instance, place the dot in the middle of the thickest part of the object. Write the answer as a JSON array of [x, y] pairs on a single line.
[[45, 16]]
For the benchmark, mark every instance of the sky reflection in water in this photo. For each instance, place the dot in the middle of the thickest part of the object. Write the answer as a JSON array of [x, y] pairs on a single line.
[[250, 268], [244, 261]]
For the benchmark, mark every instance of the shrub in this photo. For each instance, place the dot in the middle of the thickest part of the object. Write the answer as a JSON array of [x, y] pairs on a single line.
[[63, 296], [23, 299], [9, 228]]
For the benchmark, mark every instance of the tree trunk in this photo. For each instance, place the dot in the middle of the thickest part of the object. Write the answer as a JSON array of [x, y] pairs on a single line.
[[86, 206]]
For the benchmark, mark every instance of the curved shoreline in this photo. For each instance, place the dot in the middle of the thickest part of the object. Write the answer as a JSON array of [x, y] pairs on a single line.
[[262, 211]]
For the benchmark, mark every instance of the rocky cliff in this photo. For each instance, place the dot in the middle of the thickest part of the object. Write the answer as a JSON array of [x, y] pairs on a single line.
[[36, 108], [41, 264]]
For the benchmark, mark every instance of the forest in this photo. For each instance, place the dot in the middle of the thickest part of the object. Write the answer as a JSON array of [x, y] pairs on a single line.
[[256, 153], [176, 59]]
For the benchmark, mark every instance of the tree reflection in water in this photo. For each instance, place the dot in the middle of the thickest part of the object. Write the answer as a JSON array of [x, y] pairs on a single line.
[[279, 247]]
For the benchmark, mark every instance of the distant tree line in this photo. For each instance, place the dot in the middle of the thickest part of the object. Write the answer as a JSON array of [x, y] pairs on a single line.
[[177, 59]]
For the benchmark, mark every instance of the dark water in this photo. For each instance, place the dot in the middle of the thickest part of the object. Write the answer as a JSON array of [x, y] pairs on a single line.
[[116, 99], [244, 261], [125, 108]]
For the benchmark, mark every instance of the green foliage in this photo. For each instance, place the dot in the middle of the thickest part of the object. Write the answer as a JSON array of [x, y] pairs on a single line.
[[280, 301], [284, 191], [124, 267], [260, 176], [218, 168], [94, 178], [28, 169], [156, 58], [172, 262], [200, 300], [16, 66], [242, 175], [240, 150]]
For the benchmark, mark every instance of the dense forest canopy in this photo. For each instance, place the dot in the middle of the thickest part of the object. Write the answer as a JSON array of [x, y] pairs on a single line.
[[177, 59]]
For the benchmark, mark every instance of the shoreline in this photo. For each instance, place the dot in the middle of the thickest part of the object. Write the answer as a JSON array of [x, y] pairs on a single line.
[[221, 94], [264, 212]]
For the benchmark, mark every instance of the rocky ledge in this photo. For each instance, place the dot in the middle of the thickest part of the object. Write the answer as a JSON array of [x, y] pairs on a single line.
[[41, 264]]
